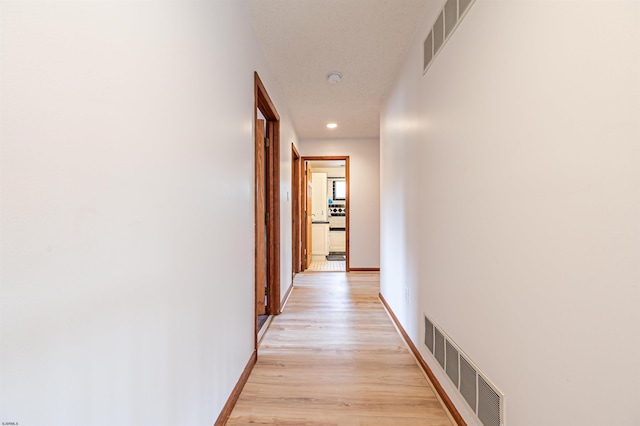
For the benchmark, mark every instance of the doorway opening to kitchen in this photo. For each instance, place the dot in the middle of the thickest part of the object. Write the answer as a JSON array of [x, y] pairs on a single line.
[[326, 213]]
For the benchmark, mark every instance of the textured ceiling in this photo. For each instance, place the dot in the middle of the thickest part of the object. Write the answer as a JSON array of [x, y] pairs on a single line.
[[365, 40]]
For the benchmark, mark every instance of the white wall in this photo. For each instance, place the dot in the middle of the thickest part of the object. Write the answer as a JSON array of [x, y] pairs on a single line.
[[331, 171], [288, 136], [510, 188], [127, 210], [364, 187]]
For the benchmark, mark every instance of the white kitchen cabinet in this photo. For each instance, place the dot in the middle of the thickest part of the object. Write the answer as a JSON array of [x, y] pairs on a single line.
[[319, 197], [319, 240], [337, 241]]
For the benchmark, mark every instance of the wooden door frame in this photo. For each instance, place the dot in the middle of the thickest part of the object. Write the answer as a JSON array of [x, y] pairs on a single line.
[[263, 102], [306, 242], [260, 208], [348, 200], [296, 249]]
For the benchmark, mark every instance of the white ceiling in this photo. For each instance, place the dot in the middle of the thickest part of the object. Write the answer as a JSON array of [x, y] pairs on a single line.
[[365, 40]]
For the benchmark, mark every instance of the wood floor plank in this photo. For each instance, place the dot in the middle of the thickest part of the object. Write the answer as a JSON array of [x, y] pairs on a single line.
[[333, 357]]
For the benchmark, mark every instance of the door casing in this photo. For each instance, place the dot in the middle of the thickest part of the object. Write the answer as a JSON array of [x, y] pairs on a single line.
[[296, 240], [260, 209], [263, 102], [308, 190]]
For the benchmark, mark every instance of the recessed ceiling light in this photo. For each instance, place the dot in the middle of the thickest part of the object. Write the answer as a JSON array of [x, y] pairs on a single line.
[[332, 125], [334, 77]]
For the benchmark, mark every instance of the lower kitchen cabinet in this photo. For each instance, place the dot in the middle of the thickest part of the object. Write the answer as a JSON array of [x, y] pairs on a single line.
[[319, 240], [337, 241]]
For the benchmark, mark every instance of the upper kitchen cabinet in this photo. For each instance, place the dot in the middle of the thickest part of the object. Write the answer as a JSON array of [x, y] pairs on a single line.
[[319, 197]]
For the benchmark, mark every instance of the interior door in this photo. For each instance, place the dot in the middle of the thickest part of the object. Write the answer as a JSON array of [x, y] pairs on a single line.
[[260, 219], [308, 213]]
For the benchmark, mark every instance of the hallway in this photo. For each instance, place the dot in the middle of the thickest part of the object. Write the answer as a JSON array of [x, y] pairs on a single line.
[[333, 357]]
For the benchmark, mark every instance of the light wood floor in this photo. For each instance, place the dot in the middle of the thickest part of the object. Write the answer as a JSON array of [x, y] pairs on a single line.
[[334, 358]]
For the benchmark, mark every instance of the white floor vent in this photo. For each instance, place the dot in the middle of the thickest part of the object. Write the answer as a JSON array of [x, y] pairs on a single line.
[[447, 21], [484, 398]]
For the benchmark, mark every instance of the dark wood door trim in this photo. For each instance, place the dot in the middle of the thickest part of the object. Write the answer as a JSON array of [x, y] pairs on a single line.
[[260, 209], [347, 180], [296, 248], [307, 226], [273, 225], [263, 102]]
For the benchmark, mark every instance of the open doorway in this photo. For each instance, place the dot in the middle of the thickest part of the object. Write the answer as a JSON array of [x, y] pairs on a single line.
[[326, 213], [267, 207]]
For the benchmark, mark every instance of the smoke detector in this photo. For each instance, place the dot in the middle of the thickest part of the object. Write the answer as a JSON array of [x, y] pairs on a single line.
[[334, 77]]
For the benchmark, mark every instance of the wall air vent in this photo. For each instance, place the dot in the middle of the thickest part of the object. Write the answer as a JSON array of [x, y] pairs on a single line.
[[447, 21], [484, 398]]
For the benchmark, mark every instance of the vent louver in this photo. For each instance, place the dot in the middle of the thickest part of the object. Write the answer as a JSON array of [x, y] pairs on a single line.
[[450, 16], [463, 5], [468, 383], [484, 398], [439, 347], [428, 50], [448, 19], [452, 363], [488, 404], [428, 334], [438, 33]]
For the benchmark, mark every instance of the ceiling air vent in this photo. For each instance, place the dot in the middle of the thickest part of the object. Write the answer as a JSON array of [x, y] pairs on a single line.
[[447, 21], [484, 398]]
